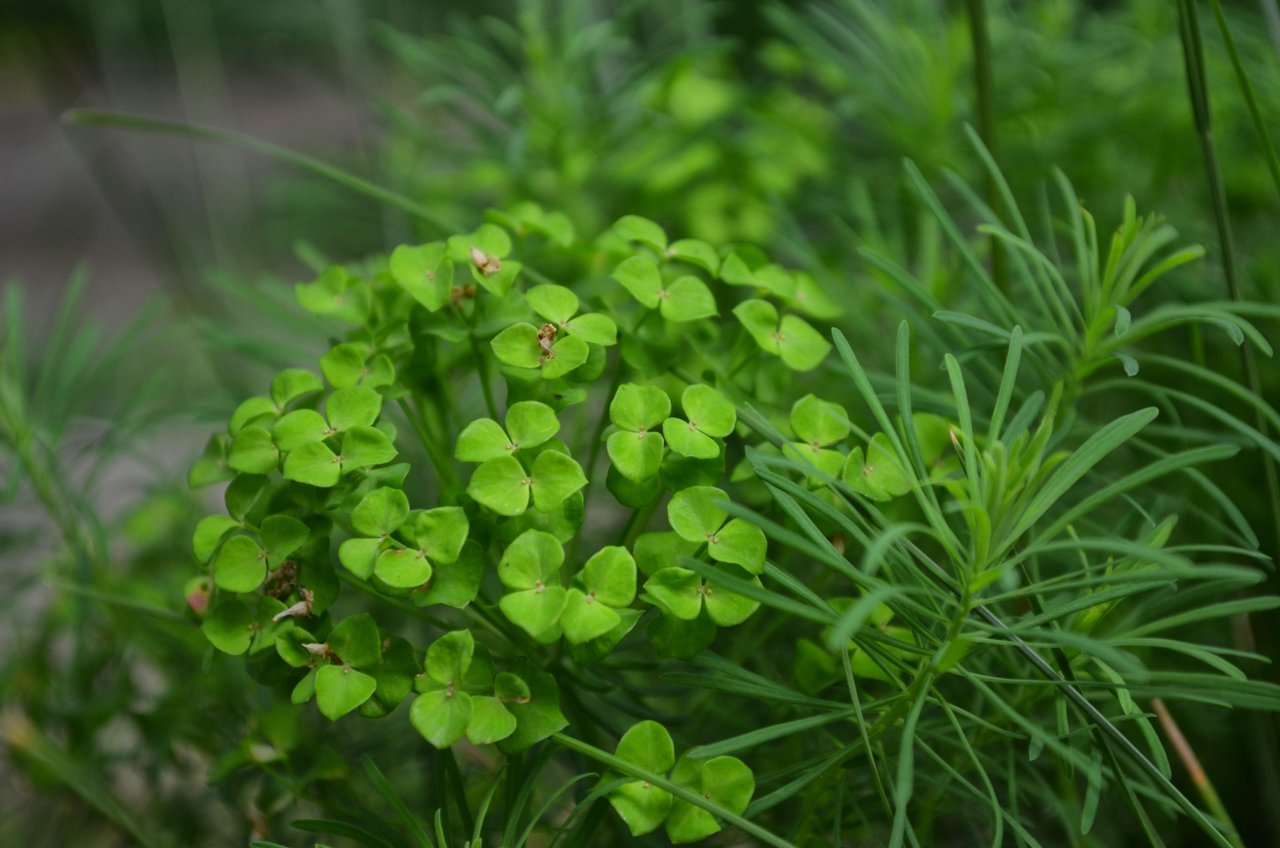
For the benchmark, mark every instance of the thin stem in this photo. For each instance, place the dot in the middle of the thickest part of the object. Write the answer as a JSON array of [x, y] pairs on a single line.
[[1197, 774], [444, 469], [980, 39]]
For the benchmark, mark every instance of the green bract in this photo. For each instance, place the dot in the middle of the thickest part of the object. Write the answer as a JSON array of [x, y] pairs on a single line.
[[708, 416], [696, 516], [792, 338], [635, 449]]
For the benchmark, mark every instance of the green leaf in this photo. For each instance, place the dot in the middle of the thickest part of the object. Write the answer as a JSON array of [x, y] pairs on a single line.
[[880, 476], [313, 464], [760, 318], [482, 440], [441, 532], [441, 716], [455, 584], [656, 551], [800, 345], [381, 512], [586, 617], [695, 252], [740, 543], [687, 299], [594, 327], [535, 610], [610, 576], [727, 608], [253, 452], [250, 411], [402, 568], [293, 383], [640, 276], [502, 485], [708, 411], [356, 641], [243, 493], [357, 406], [517, 345], [343, 365], [360, 556], [567, 353], [641, 806], [533, 558], [418, 270], [539, 716], [677, 590], [365, 446], [229, 627], [555, 477], [693, 513], [635, 228], [726, 781], [819, 422], [677, 638], [687, 440], [556, 304], [208, 533], [340, 689], [490, 721], [636, 408], [298, 428], [633, 493], [636, 456], [735, 272], [281, 536], [531, 423], [336, 293], [449, 657], [241, 565]]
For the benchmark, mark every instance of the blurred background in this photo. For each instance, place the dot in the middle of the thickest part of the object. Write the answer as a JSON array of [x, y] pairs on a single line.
[[150, 276]]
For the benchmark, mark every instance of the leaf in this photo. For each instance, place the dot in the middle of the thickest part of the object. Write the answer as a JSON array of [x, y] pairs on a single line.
[[208, 533], [517, 345], [708, 410], [637, 457], [741, 543], [610, 575], [760, 318], [531, 423], [677, 590], [360, 556], [402, 568], [555, 477], [241, 565], [343, 365], [229, 627], [686, 440], [800, 345], [695, 252], [556, 304], [441, 532], [502, 485], [567, 353], [490, 721], [635, 228], [594, 327], [356, 406], [281, 536], [642, 806], [819, 422], [249, 411], [293, 383], [449, 657], [635, 407], [340, 689], [534, 557], [441, 716], [298, 428], [640, 276], [735, 272], [693, 513], [455, 584], [418, 270], [727, 608], [535, 610], [585, 617], [481, 440], [313, 464], [253, 452], [365, 446], [879, 476], [539, 716], [356, 641], [381, 512], [687, 299], [656, 551], [726, 781]]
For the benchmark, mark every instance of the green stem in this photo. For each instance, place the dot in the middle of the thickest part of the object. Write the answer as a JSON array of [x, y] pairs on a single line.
[[444, 469], [980, 40], [482, 368]]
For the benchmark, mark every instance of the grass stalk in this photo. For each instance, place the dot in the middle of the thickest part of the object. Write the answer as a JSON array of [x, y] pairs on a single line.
[[1196, 772]]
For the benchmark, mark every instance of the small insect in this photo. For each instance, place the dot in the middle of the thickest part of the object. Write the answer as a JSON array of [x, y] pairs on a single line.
[[487, 265], [547, 335]]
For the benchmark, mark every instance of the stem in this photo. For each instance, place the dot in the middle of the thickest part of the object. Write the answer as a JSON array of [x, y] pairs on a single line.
[[1194, 770], [980, 39], [441, 462], [482, 368]]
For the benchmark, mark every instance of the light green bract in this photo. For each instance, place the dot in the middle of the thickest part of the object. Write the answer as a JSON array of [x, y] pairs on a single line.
[[708, 416], [792, 338]]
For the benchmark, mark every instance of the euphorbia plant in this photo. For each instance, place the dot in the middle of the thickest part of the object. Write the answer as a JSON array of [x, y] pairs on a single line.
[[443, 460]]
